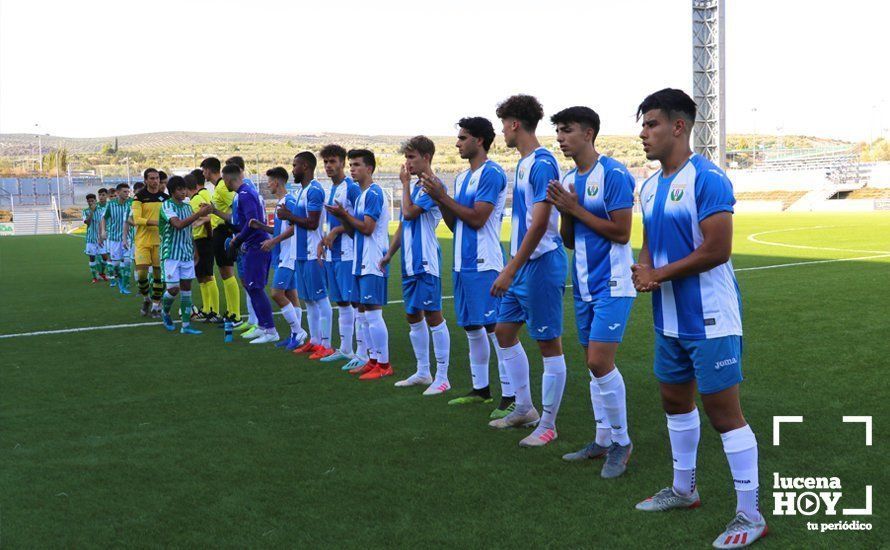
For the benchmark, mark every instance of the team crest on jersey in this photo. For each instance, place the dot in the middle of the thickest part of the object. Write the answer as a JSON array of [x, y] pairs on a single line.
[[521, 173], [472, 182], [677, 193], [593, 190]]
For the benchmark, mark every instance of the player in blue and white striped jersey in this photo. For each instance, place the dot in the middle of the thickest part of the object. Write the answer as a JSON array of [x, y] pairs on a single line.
[[696, 305], [533, 281], [282, 245], [369, 227], [338, 255], [309, 267], [421, 273], [596, 202], [474, 214]]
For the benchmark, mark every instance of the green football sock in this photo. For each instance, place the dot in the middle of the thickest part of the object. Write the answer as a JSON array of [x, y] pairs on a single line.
[[185, 307], [93, 270], [167, 302]]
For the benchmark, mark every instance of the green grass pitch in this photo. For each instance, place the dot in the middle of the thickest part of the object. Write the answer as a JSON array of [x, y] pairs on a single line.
[[137, 437]]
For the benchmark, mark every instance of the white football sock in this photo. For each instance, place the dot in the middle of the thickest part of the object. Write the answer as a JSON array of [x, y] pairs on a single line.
[[552, 387], [506, 385], [361, 335], [603, 431], [325, 319], [613, 395], [312, 315], [299, 312], [480, 354], [740, 447], [441, 349], [516, 363], [251, 316], [379, 334], [420, 341], [291, 317], [345, 322], [684, 431]]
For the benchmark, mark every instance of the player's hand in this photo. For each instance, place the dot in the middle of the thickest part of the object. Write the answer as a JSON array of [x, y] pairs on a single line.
[[644, 278], [254, 224], [336, 210], [563, 199], [404, 174], [267, 245], [433, 186], [282, 212], [328, 241], [384, 261], [320, 253], [502, 284]]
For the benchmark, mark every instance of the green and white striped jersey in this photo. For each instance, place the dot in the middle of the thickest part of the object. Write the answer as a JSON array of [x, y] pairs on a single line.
[[115, 216], [176, 244], [92, 229]]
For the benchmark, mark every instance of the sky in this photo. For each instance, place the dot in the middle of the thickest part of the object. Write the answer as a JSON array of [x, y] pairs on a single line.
[[101, 68]]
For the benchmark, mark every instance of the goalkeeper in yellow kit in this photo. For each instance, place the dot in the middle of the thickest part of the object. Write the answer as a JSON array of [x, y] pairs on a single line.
[[146, 208]]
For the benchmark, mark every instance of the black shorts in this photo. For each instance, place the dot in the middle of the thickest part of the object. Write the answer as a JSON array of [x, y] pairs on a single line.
[[220, 234], [204, 261]]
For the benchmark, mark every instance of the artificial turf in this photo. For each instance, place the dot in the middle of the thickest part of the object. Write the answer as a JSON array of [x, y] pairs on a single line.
[[138, 437]]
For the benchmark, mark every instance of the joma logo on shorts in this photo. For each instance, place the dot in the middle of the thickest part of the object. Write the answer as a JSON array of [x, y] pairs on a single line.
[[725, 363]]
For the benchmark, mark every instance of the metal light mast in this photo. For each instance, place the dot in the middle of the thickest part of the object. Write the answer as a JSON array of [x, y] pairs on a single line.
[[709, 79]]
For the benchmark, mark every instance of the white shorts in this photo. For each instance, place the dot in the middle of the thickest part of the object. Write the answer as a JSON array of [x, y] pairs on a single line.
[[127, 253], [115, 250], [93, 249], [175, 271]]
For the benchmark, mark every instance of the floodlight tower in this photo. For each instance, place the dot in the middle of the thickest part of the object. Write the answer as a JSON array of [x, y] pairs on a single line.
[[709, 79]]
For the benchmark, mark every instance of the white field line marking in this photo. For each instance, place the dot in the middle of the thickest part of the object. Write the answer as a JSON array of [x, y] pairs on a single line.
[[753, 238], [879, 254]]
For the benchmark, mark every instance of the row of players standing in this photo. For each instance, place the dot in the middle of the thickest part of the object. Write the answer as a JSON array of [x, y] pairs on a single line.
[[684, 262]]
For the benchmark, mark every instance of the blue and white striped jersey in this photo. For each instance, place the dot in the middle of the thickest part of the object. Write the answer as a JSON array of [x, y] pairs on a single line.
[[346, 193], [310, 198], [286, 251], [533, 174], [601, 266], [480, 250], [370, 249], [707, 305], [420, 248]]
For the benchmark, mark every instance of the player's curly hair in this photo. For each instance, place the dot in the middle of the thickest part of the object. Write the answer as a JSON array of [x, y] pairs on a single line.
[[524, 108], [478, 127], [333, 150]]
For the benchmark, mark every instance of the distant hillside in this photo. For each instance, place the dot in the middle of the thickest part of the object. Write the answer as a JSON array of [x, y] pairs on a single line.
[[22, 144], [184, 150]]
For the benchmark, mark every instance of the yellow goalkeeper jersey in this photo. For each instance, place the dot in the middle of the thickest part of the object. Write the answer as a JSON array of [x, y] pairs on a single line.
[[147, 206]]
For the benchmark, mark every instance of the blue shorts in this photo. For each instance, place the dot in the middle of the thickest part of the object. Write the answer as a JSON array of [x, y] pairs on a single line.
[[310, 280], [340, 280], [473, 302], [422, 292], [716, 364], [284, 279], [602, 319], [535, 297], [239, 267], [254, 268], [372, 290]]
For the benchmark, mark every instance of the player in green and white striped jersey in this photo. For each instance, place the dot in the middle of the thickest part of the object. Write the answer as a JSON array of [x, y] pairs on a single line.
[[178, 252], [91, 218], [116, 214], [102, 259]]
